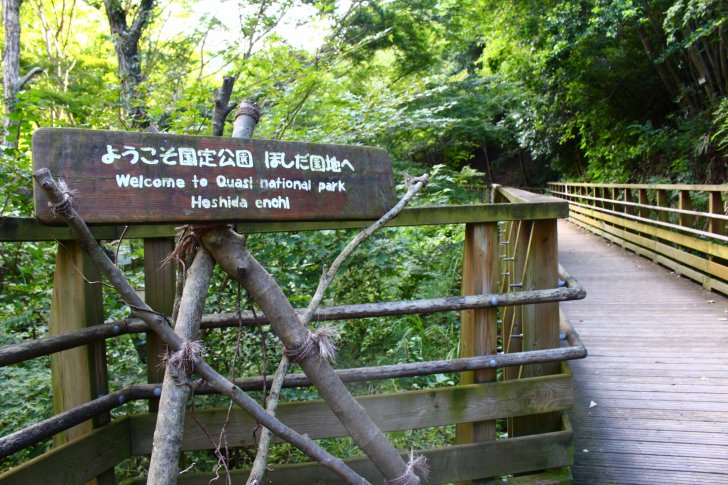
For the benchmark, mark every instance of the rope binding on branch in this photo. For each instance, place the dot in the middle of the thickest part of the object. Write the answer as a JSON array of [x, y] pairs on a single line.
[[322, 341]]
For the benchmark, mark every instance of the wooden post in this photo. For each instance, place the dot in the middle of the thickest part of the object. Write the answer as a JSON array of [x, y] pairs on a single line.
[[615, 192], [78, 375], [159, 291], [628, 209], [685, 204], [643, 200], [715, 206], [661, 200], [540, 321], [479, 331]]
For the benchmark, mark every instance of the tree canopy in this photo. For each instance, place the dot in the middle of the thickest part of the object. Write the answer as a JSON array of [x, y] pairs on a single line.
[[625, 90]]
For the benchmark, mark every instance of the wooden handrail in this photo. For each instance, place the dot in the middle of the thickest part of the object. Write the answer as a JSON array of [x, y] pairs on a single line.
[[709, 215], [675, 227], [14, 229], [648, 229], [690, 187], [12, 354], [39, 431]]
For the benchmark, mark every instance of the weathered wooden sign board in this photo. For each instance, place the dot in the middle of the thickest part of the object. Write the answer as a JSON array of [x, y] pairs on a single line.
[[129, 178]]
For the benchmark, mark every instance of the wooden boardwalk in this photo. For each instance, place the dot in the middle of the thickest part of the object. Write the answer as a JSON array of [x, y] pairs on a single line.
[[651, 400]]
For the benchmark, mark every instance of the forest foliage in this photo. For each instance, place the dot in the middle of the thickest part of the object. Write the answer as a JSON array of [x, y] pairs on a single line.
[[478, 91]]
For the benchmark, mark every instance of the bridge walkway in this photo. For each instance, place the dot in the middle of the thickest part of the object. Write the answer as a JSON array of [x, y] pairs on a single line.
[[651, 400]]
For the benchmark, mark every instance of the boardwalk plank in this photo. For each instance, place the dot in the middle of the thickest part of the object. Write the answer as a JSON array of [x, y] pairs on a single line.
[[657, 370]]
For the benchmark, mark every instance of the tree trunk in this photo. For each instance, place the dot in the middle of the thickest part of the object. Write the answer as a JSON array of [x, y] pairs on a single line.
[[12, 82], [522, 164], [11, 68], [668, 77], [126, 44], [488, 168]]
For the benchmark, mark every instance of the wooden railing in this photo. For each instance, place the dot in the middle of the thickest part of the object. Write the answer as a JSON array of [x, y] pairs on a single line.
[[511, 289], [682, 227]]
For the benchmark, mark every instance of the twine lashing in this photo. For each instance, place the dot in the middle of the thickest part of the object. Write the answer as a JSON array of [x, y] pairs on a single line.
[[190, 239], [321, 342], [189, 354], [63, 208], [416, 467]]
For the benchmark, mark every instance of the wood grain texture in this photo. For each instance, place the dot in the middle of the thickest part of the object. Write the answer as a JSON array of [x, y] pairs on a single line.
[[453, 463], [29, 229], [716, 205], [415, 409], [676, 265], [705, 265], [159, 291], [142, 177], [657, 370], [75, 304], [692, 187], [540, 322], [479, 328], [77, 461], [707, 247]]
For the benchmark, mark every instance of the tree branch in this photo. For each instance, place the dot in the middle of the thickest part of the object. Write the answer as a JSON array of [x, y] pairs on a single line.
[[222, 105], [228, 249], [142, 19], [28, 76], [176, 388], [29, 349], [261, 458], [62, 205]]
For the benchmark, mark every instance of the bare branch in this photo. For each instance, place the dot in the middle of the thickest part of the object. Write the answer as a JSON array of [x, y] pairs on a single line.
[[228, 249], [29, 75], [414, 186], [261, 457], [175, 388], [222, 105]]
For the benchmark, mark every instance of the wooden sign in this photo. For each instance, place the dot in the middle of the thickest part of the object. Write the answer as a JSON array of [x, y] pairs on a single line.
[[129, 178]]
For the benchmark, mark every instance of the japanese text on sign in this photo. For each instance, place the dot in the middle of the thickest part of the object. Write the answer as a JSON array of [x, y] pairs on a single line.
[[225, 157]]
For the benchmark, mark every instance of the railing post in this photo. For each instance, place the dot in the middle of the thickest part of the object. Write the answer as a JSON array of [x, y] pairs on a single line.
[[661, 200], [78, 375], [478, 329], [715, 206], [599, 194], [628, 209], [643, 200], [540, 321], [685, 204], [615, 192], [159, 291]]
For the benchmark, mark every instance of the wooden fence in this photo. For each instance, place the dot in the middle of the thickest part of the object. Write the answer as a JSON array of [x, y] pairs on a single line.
[[682, 227], [509, 320]]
